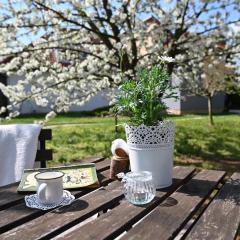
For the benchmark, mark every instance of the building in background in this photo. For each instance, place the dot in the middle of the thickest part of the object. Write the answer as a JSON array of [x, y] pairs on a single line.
[[185, 103]]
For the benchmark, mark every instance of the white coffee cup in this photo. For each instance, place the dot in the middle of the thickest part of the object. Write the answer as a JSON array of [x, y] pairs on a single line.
[[50, 187]]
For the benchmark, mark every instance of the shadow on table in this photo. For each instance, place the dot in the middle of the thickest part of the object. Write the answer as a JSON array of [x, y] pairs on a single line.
[[77, 205], [169, 202], [202, 189]]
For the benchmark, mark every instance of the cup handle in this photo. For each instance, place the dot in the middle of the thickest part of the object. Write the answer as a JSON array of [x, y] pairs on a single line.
[[41, 192]]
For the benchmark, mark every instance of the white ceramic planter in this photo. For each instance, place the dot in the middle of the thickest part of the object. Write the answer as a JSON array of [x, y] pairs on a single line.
[[157, 160], [151, 149]]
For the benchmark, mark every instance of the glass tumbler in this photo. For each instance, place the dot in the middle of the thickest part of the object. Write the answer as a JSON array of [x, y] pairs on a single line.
[[138, 187]]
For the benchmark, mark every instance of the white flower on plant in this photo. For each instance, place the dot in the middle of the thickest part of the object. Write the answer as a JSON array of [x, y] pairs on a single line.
[[176, 12], [107, 67], [38, 122], [118, 45], [203, 75], [50, 115], [168, 1], [9, 107], [14, 114], [3, 109], [166, 59], [179, 57], [122, 16], [43, 102], [229, 65], [210, 66]]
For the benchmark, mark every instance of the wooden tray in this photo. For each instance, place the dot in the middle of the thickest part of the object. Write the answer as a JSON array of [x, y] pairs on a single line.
[[75, 176]]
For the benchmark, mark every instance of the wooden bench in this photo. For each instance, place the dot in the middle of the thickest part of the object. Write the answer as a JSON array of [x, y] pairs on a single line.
[[44, 154]]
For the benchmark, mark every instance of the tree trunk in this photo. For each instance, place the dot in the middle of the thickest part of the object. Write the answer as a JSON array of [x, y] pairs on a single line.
[[210, 112], [116, 123]]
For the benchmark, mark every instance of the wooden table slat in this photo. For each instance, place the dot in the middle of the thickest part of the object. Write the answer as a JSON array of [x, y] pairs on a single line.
[[183, 210], [167, 219], [8, 196], [89, 160], [103, 164], [113, 223], [56, 221], [19, 214], [222, 217]]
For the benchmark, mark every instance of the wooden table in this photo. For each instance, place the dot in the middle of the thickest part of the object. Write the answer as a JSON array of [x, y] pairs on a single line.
[[199, 205]]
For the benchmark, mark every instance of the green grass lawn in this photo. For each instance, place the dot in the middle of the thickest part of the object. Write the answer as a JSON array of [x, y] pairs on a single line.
[[68, 118], [203, 146], [196, 142]]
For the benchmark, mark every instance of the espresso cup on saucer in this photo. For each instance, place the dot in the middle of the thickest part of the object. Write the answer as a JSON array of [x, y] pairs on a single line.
[[50, 187]]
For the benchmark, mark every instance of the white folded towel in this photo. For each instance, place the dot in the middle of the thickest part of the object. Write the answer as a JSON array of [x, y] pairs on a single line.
[[18, 148]]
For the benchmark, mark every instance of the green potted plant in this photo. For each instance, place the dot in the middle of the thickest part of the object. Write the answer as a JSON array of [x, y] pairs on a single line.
[[150, 139]]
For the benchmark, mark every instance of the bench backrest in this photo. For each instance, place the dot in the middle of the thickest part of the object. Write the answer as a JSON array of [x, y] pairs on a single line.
[[44, 154]]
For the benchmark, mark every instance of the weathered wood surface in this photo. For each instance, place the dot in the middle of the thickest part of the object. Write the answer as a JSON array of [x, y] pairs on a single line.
[[43, 155], [56, 221], [93, 159], [221, 220], [173, 209], [168, 218], [116, 221], [18, 213], [9, 197], [45, 134]]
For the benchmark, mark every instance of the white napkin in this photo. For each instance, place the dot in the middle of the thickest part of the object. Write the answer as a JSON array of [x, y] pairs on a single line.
[[18, 148]]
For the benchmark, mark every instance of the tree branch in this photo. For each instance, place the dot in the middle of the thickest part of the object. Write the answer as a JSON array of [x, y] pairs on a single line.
[[217, 27]]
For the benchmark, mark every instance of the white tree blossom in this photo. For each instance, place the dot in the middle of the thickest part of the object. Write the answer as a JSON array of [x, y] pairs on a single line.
[[68, 51]]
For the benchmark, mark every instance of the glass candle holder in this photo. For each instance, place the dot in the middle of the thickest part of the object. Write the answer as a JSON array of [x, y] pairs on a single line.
[[138, 187]]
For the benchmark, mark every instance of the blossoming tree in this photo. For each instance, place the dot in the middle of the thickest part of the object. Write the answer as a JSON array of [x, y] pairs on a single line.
[[67, 51], [215, 74]]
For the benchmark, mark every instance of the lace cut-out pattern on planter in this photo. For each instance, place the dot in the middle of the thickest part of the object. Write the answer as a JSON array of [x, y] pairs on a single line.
[[152, 136]]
